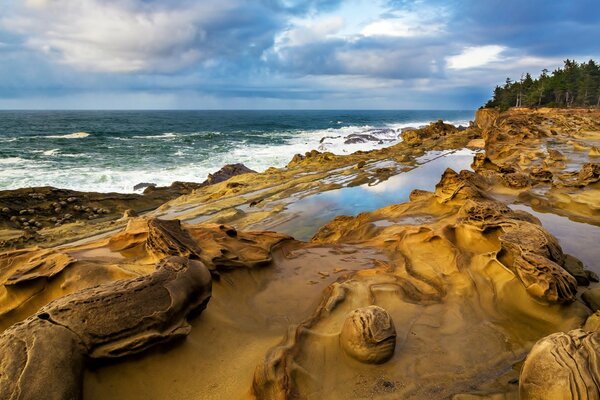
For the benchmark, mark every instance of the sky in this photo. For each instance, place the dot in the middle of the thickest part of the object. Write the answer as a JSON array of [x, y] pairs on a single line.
[[281, 54]]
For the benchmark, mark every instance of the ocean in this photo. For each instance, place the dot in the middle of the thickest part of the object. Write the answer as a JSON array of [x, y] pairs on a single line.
[[112, 151]]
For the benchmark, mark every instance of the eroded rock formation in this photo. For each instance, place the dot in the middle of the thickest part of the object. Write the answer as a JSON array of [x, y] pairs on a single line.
[[562, 366], [43, 356]]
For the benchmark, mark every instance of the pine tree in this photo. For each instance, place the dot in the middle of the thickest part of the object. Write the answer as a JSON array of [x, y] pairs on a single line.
[[573, 85]]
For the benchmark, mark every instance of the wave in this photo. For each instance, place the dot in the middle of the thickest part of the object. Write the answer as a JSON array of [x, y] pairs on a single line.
[[11, 160], [74, 135], [166, 135], [191, 163], [52, 152]]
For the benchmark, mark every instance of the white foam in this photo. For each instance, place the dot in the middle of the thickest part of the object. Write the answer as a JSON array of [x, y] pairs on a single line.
[[17, 172], [11, 160], [52, 152], [74, 135], [166, 135]]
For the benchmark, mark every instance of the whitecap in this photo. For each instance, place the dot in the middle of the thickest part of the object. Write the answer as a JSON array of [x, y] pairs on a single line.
[[74, 135], [52, 152], [166, 135], [11, 160]]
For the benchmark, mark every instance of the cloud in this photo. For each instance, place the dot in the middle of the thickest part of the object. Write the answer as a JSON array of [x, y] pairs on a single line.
[[413, 22], [478, 56], [271, 53], [140, 36]]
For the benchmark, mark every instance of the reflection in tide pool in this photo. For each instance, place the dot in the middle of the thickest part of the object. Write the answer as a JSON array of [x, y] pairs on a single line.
[[312, 212], [576, 238]]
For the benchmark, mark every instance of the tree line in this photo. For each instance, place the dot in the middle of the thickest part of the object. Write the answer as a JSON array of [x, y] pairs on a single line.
[[573, 85]]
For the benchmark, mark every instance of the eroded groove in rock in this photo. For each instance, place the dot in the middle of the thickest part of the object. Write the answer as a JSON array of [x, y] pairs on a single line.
[[563, 366], [545, 279], [42, 357], [25, 265]]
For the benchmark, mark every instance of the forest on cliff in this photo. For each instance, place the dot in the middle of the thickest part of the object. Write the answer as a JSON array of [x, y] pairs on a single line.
[[573, 85]]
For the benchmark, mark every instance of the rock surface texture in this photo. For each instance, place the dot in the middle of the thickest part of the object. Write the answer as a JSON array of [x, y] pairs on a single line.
[[563, 366], [43, 356]]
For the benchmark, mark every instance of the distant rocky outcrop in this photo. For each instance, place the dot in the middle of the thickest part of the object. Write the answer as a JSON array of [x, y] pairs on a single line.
[[228, 171]]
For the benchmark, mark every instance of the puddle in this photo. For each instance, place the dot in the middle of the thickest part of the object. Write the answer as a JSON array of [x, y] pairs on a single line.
[[576, 238], [314, 211]]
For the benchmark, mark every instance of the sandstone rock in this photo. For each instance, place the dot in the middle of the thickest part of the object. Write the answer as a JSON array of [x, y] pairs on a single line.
[[589, 173], [541, 174], [43, 356], [454, 186], [368, 335], [516, 180], [556, 155], [591, 298], [130, 213], [168, 238], [21, 266], [485, 117], [592, 324], [562, 366], [545, 279], [476, 144]]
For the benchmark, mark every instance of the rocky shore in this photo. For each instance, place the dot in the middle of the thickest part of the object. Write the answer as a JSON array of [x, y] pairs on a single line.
[[460, 292]]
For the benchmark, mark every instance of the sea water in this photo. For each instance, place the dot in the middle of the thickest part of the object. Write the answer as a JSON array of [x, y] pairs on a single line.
[[115, 150]]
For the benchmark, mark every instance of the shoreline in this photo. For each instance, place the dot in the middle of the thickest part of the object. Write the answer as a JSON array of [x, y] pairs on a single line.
[[116, 156], [467, 270]]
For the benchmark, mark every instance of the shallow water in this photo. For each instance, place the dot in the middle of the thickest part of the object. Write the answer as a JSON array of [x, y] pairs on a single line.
[[307, 215]]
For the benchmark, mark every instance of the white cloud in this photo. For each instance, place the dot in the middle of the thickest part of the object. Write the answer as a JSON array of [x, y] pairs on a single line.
[[120, 35], [476, 56], [305, 31], [408, 23]]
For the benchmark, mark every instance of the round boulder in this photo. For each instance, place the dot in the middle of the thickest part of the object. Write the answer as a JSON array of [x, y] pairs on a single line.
[[368, 335]]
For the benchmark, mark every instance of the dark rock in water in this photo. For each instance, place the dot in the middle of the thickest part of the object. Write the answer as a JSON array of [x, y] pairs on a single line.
[[43, 356], [360, 138], [228, 171], [143, 185]]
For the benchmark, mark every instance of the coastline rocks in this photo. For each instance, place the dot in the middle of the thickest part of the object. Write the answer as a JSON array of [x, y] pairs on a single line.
[[562, 366], [591, 298], [485, 117], [43, 356], [228, 171], [476, 144], [544, 279], [143, 185], [368, 335], [589, 173]]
